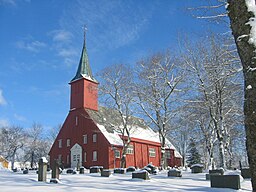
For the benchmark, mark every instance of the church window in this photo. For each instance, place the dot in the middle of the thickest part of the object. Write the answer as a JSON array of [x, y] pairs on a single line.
[[117, 154], [84, 156], [60, 143], [68, 142], [94, 156], [130, 149], [168, 154], [152, 152], [74, 157], [59, 158], [85, 139], [94, 138]]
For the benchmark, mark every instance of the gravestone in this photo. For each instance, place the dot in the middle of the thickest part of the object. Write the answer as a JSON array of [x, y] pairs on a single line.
[[119, 170], [245, 172], [142, 174], [225, 181], [174, 173], [81, 170], [55, 172], [42, 171], [25, 171], [96, 169], [131, 169], [197, 168], [105, 173]]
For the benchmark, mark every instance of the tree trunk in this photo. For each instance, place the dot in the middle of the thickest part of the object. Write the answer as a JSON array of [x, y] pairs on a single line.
[[239, 16], [222, 154], [32, 160]]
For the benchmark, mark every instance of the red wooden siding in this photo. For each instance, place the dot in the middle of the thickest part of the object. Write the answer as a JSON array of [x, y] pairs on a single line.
[[75, 133], [84, 94]]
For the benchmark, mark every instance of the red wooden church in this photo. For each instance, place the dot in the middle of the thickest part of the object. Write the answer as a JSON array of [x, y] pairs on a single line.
[[86, 139]]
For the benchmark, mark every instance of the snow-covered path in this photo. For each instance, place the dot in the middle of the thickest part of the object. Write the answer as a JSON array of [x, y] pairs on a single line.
[[18, 182]]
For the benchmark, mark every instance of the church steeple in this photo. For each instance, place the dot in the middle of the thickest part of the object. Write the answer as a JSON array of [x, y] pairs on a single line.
[[84, 69], [84, 88]]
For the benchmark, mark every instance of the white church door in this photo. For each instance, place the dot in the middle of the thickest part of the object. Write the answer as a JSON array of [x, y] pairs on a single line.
[[76, 155]]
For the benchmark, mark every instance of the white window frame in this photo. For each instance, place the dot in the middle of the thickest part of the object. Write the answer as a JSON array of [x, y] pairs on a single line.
[[94, 156], [59, 158], [68, 142], [152, 152], [117, 154], [60, 143], [168, 154], [94, 138], [85, 139], [130, 149]]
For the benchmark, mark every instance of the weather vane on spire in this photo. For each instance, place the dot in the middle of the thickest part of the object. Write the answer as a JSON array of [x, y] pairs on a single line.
[[85, 29]]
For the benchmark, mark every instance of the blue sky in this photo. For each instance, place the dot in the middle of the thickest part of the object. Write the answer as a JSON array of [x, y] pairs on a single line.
[[41, 42]]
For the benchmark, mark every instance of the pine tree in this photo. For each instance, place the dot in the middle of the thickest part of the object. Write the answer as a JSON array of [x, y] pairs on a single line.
[[193, 154]]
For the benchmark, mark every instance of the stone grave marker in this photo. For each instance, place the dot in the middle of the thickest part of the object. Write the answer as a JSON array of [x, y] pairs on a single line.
[[42, 171]]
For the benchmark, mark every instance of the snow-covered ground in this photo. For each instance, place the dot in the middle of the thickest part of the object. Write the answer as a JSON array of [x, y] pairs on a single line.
[[18, 182]]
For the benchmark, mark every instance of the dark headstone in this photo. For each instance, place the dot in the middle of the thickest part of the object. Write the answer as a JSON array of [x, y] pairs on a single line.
[[152, 169], [105, 173], [94, 169], [69, 171], [146, 169], [81, 170], [141, 175], [55, 172], [225, 181], [197, 168], [25, 171], [131, 169], [174, 173], [245, 172], [119, 170], [42, 169], [14, 170]]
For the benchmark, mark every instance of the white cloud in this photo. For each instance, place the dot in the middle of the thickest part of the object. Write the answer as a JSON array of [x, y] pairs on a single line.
[[67, 52], [34, 46], [8, 2], [4, 123], [61, 35], [12, 2], [2, 99], [20, 117], [113, 23]]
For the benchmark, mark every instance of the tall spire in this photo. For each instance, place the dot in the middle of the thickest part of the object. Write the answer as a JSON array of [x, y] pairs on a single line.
[[84, 69]]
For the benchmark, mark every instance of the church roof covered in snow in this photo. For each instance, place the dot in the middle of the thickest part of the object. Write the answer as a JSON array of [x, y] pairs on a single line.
[[109, 123]]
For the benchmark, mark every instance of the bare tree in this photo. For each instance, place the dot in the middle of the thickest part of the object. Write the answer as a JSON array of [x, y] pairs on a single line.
[[12, 139], [35, 146], [214, 67], [159, 78], [116, 89], [241, 16]]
